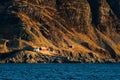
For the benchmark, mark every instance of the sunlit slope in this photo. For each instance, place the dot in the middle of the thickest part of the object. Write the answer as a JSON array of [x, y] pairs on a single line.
[[76, 30]]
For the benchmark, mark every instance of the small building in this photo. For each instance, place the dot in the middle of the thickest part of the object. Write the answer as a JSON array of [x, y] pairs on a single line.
[[43, 48], [51, 49], [40, 49], [36, 49]]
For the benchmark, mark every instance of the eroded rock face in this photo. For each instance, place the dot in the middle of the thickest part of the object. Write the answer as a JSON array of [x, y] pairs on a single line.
[[77, 30], [77, 13]]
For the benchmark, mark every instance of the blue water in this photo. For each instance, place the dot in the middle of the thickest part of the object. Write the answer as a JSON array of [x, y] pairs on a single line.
[[59, 71]]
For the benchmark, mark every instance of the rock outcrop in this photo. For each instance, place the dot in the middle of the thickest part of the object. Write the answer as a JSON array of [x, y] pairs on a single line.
[[70, 30]]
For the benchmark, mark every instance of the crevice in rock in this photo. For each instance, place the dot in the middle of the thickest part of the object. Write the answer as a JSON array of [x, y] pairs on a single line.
[[111, 51], [115, 6], [94, 5]]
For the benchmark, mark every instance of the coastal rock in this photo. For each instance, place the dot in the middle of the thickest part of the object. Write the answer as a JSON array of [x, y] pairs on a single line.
[[70, 30]]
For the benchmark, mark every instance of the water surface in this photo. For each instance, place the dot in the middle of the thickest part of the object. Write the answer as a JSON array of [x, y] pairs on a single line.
[[59, 71]]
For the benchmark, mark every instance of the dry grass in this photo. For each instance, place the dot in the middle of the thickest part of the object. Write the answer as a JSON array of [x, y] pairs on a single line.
[[110, 43], [62, 35]]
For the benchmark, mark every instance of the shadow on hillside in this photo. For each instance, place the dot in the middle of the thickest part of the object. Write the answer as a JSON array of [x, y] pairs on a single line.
[[111, 51], [8, 54]]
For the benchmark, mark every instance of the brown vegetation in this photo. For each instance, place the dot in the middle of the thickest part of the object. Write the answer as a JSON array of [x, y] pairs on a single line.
[[77, 30]]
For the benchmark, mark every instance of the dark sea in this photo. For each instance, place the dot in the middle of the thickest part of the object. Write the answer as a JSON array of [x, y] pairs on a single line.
[[59, 71]]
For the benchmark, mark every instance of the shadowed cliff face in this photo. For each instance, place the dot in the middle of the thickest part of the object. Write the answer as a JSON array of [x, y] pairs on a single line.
[[75, 30]]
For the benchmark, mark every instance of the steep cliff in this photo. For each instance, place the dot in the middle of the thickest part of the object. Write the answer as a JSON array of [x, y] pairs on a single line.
[[63, 30]]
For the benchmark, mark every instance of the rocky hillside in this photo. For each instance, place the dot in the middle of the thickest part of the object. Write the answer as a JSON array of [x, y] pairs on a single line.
[[35, 31]]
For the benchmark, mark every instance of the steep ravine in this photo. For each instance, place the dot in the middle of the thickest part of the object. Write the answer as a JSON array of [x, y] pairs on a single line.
[[59, 31]]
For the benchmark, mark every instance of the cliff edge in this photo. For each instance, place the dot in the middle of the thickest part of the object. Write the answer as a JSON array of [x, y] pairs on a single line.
[[41, 31]]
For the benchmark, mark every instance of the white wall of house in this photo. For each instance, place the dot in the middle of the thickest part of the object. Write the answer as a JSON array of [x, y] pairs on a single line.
[[36, 49]]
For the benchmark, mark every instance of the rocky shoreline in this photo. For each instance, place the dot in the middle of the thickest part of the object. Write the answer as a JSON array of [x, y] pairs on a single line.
[[32, 57]]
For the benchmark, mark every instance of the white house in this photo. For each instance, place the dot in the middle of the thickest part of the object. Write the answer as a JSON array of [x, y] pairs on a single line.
[[36, 49]]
